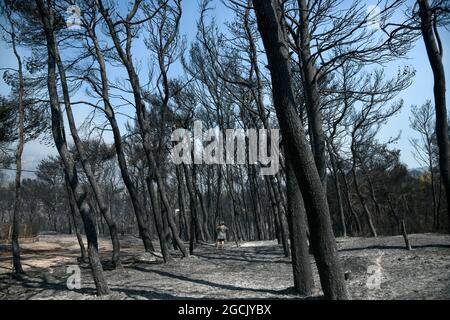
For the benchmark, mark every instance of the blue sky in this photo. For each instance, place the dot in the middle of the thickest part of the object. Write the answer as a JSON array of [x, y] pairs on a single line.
[[420, 91]]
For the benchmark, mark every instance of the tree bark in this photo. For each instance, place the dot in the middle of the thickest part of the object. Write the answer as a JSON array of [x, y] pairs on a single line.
[[184, 226], [337, 186], [158, 220], [198, 194], [173, 228], [349, 202], [275, 225], [301, 264], [74, 212], [271, 26], [280, 215], [312, 96], [19, 152], [47, 17], [401, 225], [194, 213], [141, 113], [256, 203], [364, 204], [435, 54], [110, 115], [98, 194]]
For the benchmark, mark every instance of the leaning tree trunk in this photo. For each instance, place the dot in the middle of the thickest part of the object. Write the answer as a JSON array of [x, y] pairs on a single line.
[[74, 212], [152, 188], [184, 233], [194, 213], [236, 217], [46, 15], [337, 186], [373, 195], [204, 212], [144, 230], [433, 195], [141, 113], [401, 225], [280, 216], [191, 225], [255, 203], [434, 49], [275, 225], [364, 204], [166, 230], [173, 228], [110, 115], [301, 264], [348, 199], [98, 194], [312, 95], [19, 151], [271, 26]]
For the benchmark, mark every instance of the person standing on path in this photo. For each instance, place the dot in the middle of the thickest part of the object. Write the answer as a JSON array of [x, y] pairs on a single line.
[[221, 235]]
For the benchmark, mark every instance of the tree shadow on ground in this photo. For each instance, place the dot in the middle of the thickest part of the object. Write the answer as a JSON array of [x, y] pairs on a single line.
[[39, 284], [245, 255], [393, 247], [209, 283], [243, 259], [147, 294]]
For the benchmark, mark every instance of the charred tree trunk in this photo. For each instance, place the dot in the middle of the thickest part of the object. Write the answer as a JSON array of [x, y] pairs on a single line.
[[239, 236], [312, 96], [301, 264], [19, 152], [271, 26], [191, 226], [159, 220], [184, 226], [364, 204], [218, 212], [401, 225], [337, 186], [275, 225], [48, 21], [281, 216], [250, 221], [98, 194], [171, 224], [198, 194], [195, 212], [348, 199], [110, 115], [142, 116], [373, 195], [74, 212], [166, 229], [434, 49], [256, 204]]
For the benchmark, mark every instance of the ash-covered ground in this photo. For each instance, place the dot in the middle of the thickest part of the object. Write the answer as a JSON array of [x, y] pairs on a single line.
[[376, 268]]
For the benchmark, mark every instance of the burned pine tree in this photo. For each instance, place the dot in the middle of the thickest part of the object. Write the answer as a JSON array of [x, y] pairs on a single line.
[[431, 17], [11, 31], [426, 153], [125, 55], [21, 116], [48, 20], [271, 25]]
